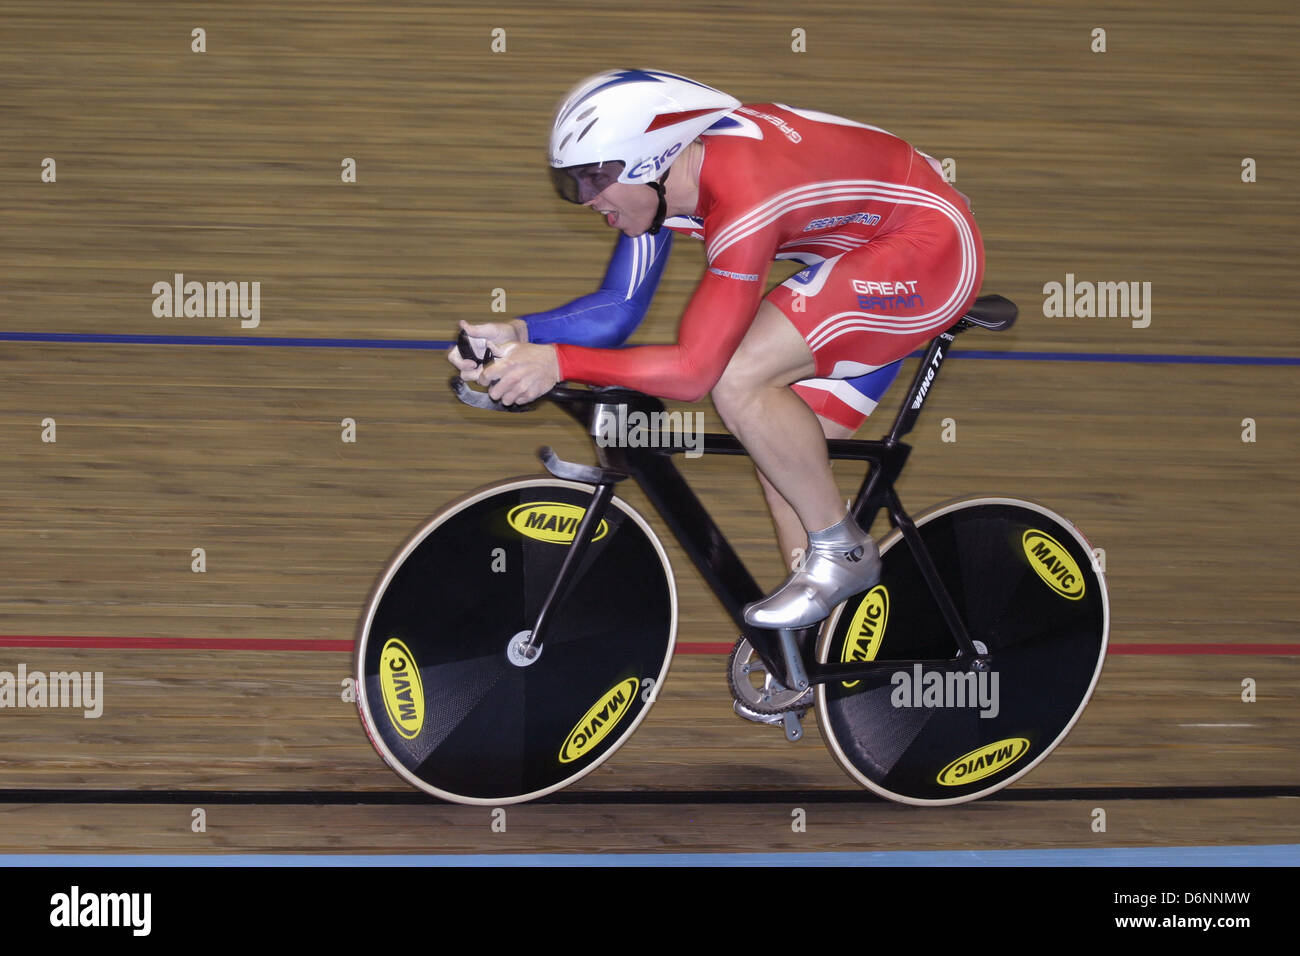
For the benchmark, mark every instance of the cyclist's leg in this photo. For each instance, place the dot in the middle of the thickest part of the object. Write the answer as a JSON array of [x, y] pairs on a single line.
[[777, 428], [791, 537], [841, 406], [782, 435], [872, 306]]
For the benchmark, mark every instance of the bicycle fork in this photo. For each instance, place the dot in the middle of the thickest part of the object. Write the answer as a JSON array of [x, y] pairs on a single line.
[[526, 646]]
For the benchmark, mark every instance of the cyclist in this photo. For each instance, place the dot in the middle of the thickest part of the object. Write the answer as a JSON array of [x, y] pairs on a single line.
[[893, 257]]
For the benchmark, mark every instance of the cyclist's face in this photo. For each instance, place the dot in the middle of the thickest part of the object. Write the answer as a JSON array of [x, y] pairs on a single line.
[[627, 208]]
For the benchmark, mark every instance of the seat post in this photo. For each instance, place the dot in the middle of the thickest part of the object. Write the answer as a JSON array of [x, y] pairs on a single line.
[[993, 312], [921, 387]]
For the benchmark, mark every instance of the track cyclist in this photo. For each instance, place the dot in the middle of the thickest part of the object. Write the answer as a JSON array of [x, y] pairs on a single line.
[[892, 257]]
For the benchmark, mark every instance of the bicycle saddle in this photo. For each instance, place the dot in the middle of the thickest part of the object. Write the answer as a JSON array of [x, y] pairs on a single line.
[[993, 312]]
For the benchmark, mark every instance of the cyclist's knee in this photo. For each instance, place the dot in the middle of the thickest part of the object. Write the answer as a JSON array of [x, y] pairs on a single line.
[[733, 393]]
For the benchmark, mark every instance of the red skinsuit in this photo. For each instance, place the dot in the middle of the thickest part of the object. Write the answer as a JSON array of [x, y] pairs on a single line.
[[894, 254]]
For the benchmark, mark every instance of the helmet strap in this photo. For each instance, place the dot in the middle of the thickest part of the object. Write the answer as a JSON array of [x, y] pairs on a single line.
[[658, 187]]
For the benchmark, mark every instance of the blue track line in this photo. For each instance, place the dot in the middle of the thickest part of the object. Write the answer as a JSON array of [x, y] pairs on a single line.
[[439, 345], [265, 341], [1241, 856], [1147, 359]]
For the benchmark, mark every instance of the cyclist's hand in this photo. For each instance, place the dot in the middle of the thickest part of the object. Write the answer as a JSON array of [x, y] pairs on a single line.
[[495, 335], [521, 373]]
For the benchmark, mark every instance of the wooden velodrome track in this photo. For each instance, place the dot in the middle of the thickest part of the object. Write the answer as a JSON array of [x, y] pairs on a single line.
[[225, 165]]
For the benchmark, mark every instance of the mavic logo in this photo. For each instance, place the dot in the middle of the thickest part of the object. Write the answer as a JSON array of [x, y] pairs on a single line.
[[867, 629], [1053, 564], [399, 679], [551, 521], [603, 717], [983, 762]]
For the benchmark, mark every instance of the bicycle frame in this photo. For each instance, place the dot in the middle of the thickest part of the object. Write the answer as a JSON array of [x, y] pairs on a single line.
[[699, 536], [604, 593]]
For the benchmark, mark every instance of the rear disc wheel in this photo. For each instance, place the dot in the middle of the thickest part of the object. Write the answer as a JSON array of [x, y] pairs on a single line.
[[1025, 582]]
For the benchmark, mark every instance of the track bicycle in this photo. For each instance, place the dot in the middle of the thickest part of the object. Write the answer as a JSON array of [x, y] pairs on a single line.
[[521, 635]]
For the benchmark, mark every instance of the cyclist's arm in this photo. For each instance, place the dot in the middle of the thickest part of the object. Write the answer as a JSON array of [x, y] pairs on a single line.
[[606, 317], [717, 318]]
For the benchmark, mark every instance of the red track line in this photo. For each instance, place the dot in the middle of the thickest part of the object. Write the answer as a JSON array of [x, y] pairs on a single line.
[[1266, 649], [180, 643], [703, 647]]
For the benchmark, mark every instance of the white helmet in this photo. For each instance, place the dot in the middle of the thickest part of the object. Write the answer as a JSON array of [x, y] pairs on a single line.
[[628, 126]]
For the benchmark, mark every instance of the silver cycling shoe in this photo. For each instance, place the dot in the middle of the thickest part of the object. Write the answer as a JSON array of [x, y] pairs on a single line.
[[841, 561]]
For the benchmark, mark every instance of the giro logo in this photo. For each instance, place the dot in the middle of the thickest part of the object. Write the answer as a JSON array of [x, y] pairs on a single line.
[[983, 762], [656, 163], [600, 720], [551, 521], [1053, 564], [403, 694], [867, 629]]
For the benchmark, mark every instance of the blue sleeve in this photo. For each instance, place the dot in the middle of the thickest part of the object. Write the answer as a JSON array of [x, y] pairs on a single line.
[[606, 317]]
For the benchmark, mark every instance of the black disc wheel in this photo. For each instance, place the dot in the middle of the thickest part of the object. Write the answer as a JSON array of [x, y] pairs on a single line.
[[1027, 585], [443, 700]]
